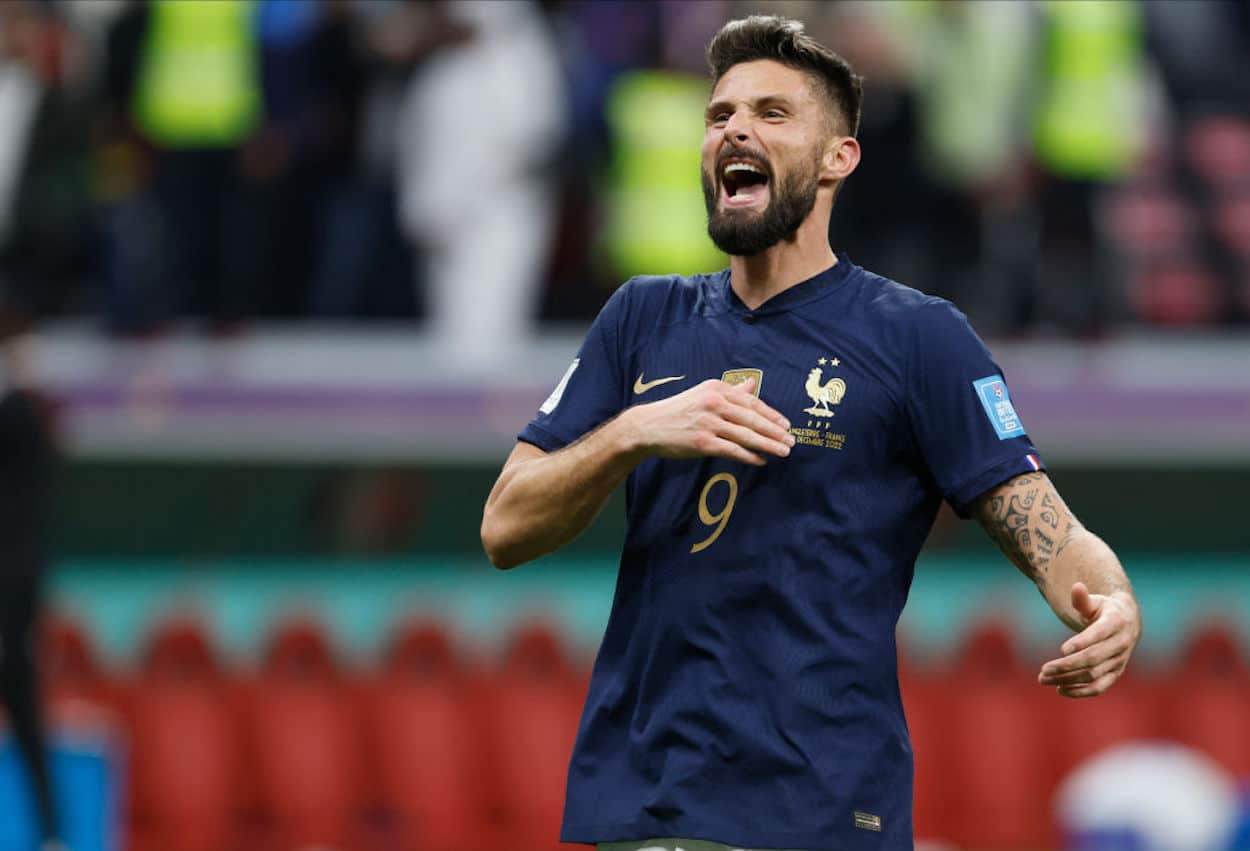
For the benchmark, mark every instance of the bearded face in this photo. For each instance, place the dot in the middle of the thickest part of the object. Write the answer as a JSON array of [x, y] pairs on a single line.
[[750, 208]]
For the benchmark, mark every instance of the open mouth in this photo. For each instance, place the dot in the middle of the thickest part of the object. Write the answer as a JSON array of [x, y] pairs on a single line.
[[745, 183]]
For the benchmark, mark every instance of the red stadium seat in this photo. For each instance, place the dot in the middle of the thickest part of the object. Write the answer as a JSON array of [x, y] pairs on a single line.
[[185, 760], [72, 679], [996, 748], [529, 715], [926, 721], [1207, 705], [1217, 148], [305, 739], [1232, 223], [1177, 291], [1147, 222], [181, 647], [424, 745]]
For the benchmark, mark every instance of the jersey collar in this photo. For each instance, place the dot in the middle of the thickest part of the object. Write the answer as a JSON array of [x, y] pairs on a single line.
[[813, 288]]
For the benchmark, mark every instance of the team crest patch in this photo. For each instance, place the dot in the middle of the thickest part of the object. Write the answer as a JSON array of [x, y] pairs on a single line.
[[739, 376], [992, 391], [825, 393]]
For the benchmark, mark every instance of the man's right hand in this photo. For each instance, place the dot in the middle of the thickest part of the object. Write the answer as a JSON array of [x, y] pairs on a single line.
[[714, 419]]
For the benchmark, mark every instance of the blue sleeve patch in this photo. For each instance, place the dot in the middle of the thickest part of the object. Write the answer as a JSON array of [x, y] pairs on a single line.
[[992, 391]]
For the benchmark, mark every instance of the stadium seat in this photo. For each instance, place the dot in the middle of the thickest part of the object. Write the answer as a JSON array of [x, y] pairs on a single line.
[[180, 647], [922, 701], [996, 749], [1148, 222], [1231, 221], [1217, 149], [529, 713], [185, 760], [423, 745], [305, 739], [1207, 705], [72, 679], [1177, 292]]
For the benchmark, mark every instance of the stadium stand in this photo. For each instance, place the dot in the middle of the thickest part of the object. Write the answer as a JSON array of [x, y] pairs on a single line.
[[444, 745]]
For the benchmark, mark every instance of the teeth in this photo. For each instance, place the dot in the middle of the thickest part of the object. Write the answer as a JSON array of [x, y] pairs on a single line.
[[732, 167]]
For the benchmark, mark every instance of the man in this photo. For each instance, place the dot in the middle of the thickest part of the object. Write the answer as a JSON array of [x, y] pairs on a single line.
[[787, 429], [27, 462]]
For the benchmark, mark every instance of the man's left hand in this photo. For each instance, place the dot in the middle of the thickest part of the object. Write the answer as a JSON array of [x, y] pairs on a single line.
[[1095, 658]]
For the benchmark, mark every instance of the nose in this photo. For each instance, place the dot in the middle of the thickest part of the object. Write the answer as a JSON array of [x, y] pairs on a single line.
[[736, 128]]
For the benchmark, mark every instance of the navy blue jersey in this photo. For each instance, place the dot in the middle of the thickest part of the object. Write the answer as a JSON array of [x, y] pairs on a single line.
[[746, 690]]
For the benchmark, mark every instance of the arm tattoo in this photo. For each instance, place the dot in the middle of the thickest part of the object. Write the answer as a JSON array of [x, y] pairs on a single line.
[[1028, 520]]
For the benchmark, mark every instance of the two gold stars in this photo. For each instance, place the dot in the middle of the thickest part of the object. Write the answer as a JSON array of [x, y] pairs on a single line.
[[829, 361]]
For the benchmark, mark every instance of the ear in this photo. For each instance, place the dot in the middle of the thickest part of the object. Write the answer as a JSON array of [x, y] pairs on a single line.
[[840, 159]]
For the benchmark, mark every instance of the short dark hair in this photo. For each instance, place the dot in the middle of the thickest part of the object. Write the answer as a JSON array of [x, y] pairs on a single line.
[[783, 40]]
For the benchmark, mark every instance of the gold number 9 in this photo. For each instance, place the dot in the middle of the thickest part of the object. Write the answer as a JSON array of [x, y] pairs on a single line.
[[720, 519]]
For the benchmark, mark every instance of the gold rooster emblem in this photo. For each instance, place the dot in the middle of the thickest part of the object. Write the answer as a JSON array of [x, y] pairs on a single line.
[[823, 395]]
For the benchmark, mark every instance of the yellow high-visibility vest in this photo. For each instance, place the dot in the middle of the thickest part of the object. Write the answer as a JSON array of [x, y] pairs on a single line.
[[656, 219], [198, 82], [1089, 123]]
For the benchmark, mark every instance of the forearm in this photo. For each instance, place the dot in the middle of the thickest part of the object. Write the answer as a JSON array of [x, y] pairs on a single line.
[[1085, 558], [544, 502], [1037, 531]]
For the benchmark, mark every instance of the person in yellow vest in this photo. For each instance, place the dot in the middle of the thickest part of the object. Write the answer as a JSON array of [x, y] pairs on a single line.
[[1087, 134], [195, 99], [654, 206]]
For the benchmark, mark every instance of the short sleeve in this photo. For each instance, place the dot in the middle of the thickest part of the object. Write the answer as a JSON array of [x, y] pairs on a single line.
[[590, 392], [961, 412]]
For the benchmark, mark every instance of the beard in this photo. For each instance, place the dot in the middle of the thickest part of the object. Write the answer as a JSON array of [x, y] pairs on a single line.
[[743, 233]]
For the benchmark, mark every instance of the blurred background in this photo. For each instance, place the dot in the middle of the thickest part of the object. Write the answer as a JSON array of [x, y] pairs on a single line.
[[282, 279]]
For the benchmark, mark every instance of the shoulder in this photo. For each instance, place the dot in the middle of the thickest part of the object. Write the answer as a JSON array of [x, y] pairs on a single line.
[[647, 300], [899, 303], [908, 311]]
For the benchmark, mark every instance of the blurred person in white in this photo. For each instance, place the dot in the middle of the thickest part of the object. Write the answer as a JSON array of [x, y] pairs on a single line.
[[477, 197], [20, 90]]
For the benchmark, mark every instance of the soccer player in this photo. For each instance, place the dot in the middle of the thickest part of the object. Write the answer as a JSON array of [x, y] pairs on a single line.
[[787, 429]]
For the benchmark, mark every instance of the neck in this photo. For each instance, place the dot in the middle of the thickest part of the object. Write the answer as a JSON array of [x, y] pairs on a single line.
[[759, 277]]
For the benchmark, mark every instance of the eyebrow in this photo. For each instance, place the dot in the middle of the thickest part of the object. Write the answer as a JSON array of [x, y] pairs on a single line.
[[758, 104]]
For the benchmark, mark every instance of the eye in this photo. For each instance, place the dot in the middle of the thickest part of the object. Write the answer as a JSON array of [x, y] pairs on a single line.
[[774, 113], [720, 118]]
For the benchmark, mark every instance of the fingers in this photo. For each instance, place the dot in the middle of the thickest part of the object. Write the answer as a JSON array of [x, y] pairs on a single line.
[[753, 440], [721, 448], [1092, 690], [757, 422], [1115, 664], [1087, 605], [1085, 649], [1089, 659], [720, 420]]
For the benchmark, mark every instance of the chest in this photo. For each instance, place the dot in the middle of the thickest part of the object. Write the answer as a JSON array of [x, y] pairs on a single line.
[[841, 389]]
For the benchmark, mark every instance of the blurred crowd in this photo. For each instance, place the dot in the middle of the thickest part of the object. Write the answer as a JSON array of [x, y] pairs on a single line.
[[1053, 167]]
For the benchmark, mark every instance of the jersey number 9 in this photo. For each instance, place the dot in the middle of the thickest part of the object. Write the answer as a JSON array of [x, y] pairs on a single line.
[[721, 518]]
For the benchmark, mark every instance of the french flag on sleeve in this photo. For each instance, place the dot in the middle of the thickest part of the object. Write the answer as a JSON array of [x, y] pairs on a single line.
[[1034, 462]]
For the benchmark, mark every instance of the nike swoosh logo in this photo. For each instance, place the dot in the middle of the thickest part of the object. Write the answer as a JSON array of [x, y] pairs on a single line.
[[641, 386]]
